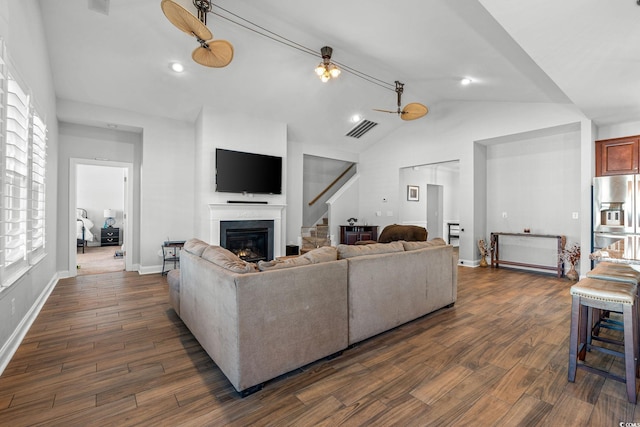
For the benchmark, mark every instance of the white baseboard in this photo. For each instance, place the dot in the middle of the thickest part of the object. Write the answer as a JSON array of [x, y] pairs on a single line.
[[469, 263], [11, 346], [150, 270]]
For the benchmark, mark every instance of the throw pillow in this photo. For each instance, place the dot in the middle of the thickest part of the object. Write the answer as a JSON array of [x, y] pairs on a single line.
[[412, 246], [226, 259], [195, 246], [350, 251]]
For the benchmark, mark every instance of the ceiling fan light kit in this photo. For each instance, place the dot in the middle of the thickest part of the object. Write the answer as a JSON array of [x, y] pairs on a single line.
[[327, 70], [190, 16]]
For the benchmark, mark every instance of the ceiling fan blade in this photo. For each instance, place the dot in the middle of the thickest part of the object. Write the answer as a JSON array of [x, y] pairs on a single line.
[[385, 111], [214, 53], [413, 111], [185, 20]]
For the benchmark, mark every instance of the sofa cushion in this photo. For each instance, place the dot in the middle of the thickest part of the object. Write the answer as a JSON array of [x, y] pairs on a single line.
[[322, 254], [195, 246], [350, 251], [227, 259], [315, 256], [412, 246], [397, 232]]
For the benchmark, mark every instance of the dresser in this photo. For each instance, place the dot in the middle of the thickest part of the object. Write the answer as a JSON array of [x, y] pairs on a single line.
[[110, 236]]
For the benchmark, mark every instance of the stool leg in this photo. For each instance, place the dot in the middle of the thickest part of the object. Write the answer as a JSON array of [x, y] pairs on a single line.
[[630, 349], [573, 338], [583, 330]]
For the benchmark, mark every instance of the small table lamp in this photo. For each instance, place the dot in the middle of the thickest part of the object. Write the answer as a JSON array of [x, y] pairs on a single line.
[[109, 218]]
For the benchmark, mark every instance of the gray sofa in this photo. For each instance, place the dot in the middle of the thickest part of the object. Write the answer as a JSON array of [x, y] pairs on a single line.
[[259, 321]]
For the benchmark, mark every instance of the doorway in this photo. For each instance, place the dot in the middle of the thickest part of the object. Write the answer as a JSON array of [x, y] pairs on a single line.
[[104, 188], [437, 203], [434, 210]]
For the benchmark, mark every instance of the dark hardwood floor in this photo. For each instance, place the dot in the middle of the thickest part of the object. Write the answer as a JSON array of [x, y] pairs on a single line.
[[108, 350]]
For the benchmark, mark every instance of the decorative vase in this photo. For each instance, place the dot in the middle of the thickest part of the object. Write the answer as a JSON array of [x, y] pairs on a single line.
[[572, 274], [483, 262]]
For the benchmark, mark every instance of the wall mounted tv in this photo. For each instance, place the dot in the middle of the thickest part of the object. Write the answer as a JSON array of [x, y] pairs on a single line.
[[238, 172]]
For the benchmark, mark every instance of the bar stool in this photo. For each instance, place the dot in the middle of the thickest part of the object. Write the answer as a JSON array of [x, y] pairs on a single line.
[[612, 296], [618, 273]]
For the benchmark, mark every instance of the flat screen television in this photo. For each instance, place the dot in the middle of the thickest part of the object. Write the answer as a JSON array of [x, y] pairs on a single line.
[[239, 172]]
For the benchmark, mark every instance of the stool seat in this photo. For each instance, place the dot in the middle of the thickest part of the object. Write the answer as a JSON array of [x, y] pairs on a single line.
[[615, 272], [605, 290]]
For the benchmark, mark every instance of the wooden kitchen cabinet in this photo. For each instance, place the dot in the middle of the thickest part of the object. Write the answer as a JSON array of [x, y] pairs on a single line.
[[619, 156]]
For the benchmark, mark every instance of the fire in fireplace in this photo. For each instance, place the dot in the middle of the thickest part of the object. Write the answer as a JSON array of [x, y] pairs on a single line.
[[250, 240]]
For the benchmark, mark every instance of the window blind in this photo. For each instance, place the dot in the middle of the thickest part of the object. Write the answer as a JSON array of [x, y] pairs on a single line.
[[14, 198], [23, 136], [37, 196]]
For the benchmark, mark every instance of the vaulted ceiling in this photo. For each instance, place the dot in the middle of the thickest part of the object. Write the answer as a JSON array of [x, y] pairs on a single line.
[[583, 52]]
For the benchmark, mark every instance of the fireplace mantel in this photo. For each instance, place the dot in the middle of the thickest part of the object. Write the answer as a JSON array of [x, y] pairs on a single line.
[[247, 212]]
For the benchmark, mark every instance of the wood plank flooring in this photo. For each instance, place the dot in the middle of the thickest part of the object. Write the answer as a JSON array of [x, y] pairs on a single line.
[[108, 350]]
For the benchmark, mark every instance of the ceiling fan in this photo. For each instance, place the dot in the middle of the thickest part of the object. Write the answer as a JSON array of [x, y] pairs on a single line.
[[190, 16], [410, 111]]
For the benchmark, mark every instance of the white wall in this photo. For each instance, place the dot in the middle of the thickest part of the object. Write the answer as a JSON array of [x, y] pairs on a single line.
[[449, 132], [91, 143], [619, 130], [21, 28], [233, 132], [342, 206], [535, 182], [166, 176]]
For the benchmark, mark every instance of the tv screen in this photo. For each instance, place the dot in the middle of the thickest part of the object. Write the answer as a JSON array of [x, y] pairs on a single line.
[[238, 172]]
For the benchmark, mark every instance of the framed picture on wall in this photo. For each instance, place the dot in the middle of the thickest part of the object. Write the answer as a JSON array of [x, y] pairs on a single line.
[[413, 193]]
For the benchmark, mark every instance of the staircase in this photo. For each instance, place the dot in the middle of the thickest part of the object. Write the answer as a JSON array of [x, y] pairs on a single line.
[[316, 236]]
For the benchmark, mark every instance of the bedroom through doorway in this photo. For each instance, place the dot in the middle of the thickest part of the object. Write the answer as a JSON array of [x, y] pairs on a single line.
[[100, 199]]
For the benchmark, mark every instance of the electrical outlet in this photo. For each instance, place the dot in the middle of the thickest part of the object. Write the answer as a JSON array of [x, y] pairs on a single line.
[[504, 215], [13, 306], [574, 215], [389, 213], [378, 213]]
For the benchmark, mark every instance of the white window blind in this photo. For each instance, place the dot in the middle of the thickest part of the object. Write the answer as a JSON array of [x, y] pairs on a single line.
[[14, 189], [23, 147], [38, 163]]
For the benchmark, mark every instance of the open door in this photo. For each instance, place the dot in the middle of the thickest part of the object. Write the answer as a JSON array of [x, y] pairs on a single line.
[[434, 210]]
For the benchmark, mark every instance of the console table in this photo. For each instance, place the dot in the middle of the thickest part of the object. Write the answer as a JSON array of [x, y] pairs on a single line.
[[350, 234], [495, 252]]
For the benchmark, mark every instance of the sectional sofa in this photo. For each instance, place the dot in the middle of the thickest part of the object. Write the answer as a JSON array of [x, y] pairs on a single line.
[[259, 321]]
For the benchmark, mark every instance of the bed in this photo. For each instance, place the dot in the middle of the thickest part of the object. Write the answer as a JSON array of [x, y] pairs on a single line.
[[83, 228]]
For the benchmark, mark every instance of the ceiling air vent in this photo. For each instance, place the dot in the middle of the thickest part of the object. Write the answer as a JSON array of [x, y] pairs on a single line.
[[361, 128]]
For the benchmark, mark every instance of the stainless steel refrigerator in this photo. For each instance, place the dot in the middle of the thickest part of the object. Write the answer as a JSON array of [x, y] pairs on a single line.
[[616, 212]]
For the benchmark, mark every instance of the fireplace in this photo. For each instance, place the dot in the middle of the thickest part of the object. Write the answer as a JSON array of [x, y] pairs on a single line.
[[250, 240], [241, 212]]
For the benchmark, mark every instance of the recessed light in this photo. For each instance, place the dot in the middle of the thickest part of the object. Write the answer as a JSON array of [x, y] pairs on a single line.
[[465, 81], [177, 67], [356, 118]]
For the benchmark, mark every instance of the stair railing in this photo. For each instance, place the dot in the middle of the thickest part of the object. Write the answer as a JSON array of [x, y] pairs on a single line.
[[334, 182]]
